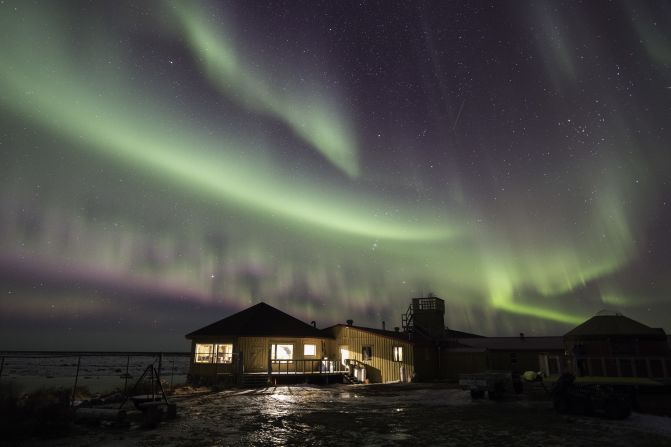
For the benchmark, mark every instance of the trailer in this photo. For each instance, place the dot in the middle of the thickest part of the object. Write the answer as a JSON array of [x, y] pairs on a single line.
[[494, 383]]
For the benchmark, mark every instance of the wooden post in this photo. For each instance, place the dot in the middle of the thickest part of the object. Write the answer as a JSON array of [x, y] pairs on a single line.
[[74, 388], [125, 380], [172, 372], [270, 365]]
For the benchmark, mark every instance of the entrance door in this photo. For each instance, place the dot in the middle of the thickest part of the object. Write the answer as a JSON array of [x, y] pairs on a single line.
[[344, 354], [256, 358]]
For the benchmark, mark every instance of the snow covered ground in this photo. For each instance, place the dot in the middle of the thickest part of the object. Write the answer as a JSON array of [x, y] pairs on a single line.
[[408, 414]]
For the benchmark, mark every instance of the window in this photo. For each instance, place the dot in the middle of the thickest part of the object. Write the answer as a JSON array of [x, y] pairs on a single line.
[[224, 353], [282, 352], [398, 353], [309, 350], [204, 353], [427, 304], [367, 353]]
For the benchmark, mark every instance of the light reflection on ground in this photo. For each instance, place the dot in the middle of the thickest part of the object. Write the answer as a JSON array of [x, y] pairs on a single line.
[[376, 415]]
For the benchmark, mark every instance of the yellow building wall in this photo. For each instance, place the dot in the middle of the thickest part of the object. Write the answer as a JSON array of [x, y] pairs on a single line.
[[381, 367], [254, 352]]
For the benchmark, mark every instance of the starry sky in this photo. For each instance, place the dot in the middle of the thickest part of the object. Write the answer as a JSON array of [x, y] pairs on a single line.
[[164, 164]]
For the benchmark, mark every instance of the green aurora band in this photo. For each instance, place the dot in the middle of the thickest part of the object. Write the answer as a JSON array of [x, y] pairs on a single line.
[[474, 263], [315, 120]]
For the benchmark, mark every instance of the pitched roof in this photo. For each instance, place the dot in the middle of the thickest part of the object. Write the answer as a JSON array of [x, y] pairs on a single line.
[[515, 343], [260, 320], [613, 325]]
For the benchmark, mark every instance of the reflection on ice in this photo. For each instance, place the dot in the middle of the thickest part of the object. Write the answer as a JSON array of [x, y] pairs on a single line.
[[411, 414]]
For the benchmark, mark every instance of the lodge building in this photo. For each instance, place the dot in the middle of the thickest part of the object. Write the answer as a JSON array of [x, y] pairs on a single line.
[[262, 344]]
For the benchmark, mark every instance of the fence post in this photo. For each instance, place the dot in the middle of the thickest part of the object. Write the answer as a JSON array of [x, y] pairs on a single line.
[[125, 380], [172, 372], [74, 388]]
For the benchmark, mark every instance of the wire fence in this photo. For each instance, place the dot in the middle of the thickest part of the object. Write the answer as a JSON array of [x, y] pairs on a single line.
[[96, 371]]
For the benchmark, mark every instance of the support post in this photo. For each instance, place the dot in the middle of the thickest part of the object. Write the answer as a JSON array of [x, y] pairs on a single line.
[[172, 372], [125, 380], [270, 364], [74, 388]]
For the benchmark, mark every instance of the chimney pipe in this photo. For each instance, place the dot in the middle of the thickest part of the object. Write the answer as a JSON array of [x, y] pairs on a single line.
[[314, 324], [350, 322], [383, 328], [521, 335]]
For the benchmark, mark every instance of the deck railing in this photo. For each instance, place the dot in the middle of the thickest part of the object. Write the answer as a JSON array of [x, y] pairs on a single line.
[[307, 366]]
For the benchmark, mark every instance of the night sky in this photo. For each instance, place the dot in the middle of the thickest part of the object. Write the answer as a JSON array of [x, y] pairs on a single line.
[[164, 164]]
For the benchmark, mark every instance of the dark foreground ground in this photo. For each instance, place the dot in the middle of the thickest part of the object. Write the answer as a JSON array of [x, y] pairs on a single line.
[[371, 415]]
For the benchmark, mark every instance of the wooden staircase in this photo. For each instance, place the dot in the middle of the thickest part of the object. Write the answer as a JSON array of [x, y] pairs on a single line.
[[254, 380]]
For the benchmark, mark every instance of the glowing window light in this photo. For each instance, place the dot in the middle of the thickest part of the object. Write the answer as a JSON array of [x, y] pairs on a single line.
[[224, 353], [204, 353], [309, 350], [398, 353], [282, 352]]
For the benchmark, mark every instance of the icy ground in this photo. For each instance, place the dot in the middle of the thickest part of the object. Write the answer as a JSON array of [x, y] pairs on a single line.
[[374, 415]]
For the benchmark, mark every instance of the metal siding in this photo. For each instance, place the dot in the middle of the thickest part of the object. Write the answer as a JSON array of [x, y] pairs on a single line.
[[382, 367]]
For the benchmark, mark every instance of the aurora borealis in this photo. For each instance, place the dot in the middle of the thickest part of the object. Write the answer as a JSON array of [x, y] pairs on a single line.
[[166, 163]]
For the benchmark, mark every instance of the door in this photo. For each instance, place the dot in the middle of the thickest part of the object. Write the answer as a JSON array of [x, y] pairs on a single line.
[[256, 358], [344, 354]]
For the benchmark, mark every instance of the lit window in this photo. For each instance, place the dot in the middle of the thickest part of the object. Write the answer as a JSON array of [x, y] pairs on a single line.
[[282, 352], [367, 353], [398, 353], [224, 353], [204, 353], [309, 350]]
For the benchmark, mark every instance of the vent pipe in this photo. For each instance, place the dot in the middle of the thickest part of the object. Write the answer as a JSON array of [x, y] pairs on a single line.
[[350, 322]]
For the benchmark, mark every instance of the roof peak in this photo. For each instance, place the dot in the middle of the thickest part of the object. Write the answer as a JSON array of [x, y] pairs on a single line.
[[260, 319], [608, 313]]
